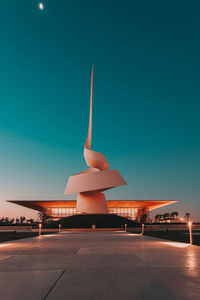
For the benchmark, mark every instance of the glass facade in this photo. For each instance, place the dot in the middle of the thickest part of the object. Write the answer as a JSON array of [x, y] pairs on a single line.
[[61, 212], [127, 212]]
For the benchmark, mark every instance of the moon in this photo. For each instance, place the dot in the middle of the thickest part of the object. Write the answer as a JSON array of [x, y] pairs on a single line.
[[41, 6]]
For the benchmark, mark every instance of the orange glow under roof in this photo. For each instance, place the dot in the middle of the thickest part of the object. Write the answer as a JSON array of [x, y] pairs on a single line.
[[40, 204]]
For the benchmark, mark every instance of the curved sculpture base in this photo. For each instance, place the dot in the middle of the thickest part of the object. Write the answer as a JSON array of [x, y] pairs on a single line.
[[91, 203]]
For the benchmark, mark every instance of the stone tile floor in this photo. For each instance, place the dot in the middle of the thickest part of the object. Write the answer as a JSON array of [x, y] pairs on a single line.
[[98, 265]]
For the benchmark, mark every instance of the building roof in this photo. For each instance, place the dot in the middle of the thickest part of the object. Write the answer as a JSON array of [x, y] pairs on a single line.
[[40, 204]]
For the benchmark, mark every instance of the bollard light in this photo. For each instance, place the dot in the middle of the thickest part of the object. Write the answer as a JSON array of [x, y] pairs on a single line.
[[190, 231], [142, 229], [59, 227], [125, 227], [40, 227]]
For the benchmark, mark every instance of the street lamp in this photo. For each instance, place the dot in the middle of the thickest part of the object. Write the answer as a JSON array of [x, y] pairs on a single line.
[[125, 227], [190, 231], [142, 229], [40, 227]]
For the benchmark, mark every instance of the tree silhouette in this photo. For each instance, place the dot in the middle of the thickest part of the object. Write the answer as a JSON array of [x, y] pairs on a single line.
[[187, 216], [174, 214], [166, 216], [158, 217], [22, 219]]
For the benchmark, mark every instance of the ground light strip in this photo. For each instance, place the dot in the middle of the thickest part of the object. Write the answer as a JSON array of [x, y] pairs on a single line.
[[3, 245], [47, 235], [174, 244]]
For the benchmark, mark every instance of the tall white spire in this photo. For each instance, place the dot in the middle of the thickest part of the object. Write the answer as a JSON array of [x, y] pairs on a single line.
[[89, 136]]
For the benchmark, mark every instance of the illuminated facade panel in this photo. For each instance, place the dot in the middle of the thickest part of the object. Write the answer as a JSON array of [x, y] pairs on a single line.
[[128, 212], [61, 212]]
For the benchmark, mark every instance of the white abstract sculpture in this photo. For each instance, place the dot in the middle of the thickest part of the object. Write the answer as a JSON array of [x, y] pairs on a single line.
[[90, 183]]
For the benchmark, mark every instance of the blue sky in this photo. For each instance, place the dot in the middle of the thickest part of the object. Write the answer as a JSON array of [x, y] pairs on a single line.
[[146, 98]]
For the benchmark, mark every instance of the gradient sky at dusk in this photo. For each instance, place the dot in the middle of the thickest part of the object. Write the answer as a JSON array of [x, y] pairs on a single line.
[[146, 109]]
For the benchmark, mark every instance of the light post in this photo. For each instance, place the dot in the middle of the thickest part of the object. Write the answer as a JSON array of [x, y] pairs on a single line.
[[125, 227], [190, 231], [40, 227], [142, 229]]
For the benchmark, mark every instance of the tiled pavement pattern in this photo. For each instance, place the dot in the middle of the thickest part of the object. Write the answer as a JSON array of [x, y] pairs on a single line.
[[98, 265]]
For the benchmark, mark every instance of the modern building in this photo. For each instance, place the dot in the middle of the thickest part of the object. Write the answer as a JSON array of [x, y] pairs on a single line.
[[56, 209], [89, 186]]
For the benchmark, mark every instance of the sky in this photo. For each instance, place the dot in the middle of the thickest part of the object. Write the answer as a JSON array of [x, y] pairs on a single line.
[[145, 105]]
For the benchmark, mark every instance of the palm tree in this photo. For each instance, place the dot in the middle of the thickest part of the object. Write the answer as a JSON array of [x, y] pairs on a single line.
[[166, 216], [6, 220], [174, 214], [3, 220], [22, 219], [11, 221], [158, 218], [187, 216], [30, 221]]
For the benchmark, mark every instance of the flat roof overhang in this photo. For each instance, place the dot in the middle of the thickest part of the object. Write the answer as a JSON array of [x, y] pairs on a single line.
[[39, 205]]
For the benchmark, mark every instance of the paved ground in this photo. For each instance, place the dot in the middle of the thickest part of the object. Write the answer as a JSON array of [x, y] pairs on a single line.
[[98, 265]]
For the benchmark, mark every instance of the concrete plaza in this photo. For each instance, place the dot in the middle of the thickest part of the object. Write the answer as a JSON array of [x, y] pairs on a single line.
[[98, 265]]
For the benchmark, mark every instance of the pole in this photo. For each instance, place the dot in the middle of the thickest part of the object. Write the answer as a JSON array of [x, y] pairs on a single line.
[[142, 229], [59, 227], [190, 231], [125, 227], [40, 227]]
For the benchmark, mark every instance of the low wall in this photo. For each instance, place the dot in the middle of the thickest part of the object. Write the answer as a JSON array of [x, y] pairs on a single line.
[[45, 230], [90, 229], [29, 228], [79, 229], [171, 226], [12, 228], [147, 227]]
